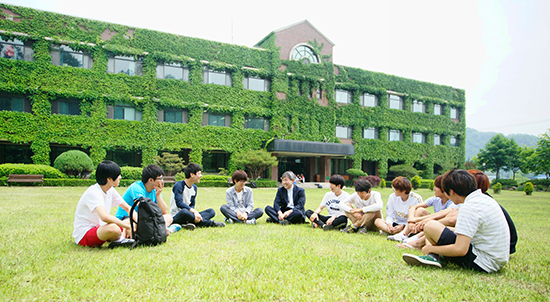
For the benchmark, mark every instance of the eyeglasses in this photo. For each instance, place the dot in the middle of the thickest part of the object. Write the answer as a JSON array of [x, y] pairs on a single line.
[[160, 178]]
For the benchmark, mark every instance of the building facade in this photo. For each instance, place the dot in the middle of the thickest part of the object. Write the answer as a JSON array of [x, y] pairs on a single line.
[[127, 94]]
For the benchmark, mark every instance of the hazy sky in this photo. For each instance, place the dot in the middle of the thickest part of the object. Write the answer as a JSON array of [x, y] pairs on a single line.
[[498, 51]]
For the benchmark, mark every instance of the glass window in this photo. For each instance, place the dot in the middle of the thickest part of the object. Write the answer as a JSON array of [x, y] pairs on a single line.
[[212, 161], [369, 100], [343, 132], [216, 120], [318, 93], [437, 109], [126, 65], [255, 84], [172, 116], [126, 112], [67, 107], [370, 133], [63, 55], [216, 77], [437, 139], [304, 54], [12, 49], [256, 123], [173, 71], [454, 141], [454, 113], [343, 96], [395, 102], [419, 138], [395, 135], [418, 106], [14, 103]]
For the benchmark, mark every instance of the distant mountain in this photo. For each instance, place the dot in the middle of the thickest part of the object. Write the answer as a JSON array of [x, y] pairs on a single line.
[[476, 140]]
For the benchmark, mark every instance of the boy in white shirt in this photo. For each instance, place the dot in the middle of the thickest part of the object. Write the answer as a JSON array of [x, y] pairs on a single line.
[[93, 225], [363, 207], [333, 201]]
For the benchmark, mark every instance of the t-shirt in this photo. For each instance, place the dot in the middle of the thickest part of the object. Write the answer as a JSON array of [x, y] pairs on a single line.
[[135, 191], [187, 199], [85, 216], [333, 203], [240, 201], [435, 202], [397, 210], [373, 204], [481, 218]]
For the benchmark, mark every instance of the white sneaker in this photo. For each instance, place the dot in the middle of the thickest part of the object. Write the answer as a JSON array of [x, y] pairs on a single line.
[[174, 228], [397, 237], [413, 238], [251, 221]]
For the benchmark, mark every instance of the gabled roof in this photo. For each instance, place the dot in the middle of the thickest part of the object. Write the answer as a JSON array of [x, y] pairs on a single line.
[[292, 25]]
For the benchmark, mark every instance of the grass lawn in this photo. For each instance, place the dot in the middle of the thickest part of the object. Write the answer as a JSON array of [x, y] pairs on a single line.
[[40, 261]]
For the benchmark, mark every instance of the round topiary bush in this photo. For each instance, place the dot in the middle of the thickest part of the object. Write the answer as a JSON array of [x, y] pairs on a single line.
[[415, 182], [497, 188], [432, 186], [528, 188], [383, 183], [74, 163]]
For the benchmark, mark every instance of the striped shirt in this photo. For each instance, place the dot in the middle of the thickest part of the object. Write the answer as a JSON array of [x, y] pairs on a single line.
[[481, 219]]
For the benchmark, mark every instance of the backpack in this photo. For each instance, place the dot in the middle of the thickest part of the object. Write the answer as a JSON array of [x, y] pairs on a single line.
[[151, 228]]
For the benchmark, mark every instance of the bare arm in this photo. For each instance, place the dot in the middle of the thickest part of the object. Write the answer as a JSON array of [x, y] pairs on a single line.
[[108, 218]]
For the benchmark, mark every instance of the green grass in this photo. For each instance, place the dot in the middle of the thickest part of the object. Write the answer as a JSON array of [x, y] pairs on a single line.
[[40, 261]]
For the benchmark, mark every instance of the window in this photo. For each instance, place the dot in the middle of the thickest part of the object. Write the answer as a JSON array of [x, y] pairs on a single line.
[[437, 139], [395, 135], [343, 132], [216, 77], [261, 123], [214, 119], [126, 65], [173, 115], [212, 161], [370, 133], [123, 112], [339, 166], [173, 71], [63, 106], [255, 84], [395, 102], [369, 100], [16, 49], [454, 141], [14, 103], [318, 94], [419, 138], [418, 106], [437, 109], [304, 54], [454, 113], [63, 55], [343, 96]]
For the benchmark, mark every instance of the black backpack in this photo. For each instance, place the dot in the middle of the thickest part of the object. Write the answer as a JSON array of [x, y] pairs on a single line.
[[151, 228]]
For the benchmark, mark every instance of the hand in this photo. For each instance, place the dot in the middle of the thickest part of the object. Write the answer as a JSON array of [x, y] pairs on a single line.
[[313, 217], [353, 211], [198, 217], [330, 220], [239, 215], [358, 216], [244, 216], [287, 213], [281, 215], [159, 187]]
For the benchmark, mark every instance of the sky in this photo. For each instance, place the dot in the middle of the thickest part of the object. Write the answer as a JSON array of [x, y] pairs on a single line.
[[497, 51]]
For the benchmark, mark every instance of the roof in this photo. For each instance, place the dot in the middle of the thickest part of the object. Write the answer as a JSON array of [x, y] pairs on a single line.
[[290, 26]]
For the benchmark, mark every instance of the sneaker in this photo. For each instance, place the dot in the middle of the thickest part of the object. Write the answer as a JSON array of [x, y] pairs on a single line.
[[328, 227], [174, 228], [362, 230], [125, 242], [383, 233], [269, 220], [251, 221], [314, 225], [229, 221], [349, 229], [425, 260], [397, 237], [189, 226], [284, 222], [218, 224], [409, 239]]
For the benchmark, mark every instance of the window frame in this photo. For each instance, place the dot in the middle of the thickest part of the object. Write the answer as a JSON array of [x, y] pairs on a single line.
[[393, 97], [340, 92], [438, 143], [56, 106], [303, 52], [415, 104], [423, 137], [26, 49], [455, 144], [112, 60], [161, 70], [266, 122], [348, 129], [111, 112], [456, 113], [375, 130], [26, 103], [440, 111], [206, 77], [58, 51], [266, 84], [390, 131], [363, 103]]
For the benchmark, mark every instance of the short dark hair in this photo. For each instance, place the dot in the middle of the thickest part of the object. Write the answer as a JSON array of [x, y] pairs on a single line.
[[238, 176], [460, 181], [437, 181], [151, 171], [192, 168], [401, 183], [106, 169], [482, 180], [363, 185], [337, 180]]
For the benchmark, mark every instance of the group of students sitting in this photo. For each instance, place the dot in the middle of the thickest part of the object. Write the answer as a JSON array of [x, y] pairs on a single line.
[[468, 228]]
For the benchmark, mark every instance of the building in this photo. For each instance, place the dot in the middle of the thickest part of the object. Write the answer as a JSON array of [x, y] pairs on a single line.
[[128, 94]]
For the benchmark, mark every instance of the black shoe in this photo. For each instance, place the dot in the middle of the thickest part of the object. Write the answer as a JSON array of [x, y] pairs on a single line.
[[328, 227], [218, 224], [269, 220], [125, 242], [188, 226], [284, 222], [349, 229]]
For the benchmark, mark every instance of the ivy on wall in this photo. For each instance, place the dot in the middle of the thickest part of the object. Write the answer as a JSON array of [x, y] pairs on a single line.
[[295, 116]]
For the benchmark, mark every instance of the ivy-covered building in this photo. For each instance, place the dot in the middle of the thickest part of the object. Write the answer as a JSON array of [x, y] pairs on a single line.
[[128, 94]]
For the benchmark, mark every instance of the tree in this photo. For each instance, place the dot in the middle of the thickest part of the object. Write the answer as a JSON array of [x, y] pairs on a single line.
[[170, 163], [255, 161], [498, 154], [74, 163], [516, 161], [540, 161]]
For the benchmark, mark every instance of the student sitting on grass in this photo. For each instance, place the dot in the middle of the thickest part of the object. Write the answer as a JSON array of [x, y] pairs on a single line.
[[481, 240], [399, 203], [93, 225], [240, 202], [182, 202], [289, 203], [150, 186], [362, 208], [333, 201]]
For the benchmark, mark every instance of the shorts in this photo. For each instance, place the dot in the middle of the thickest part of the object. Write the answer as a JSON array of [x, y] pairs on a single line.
[[91, 239], [467, 261]]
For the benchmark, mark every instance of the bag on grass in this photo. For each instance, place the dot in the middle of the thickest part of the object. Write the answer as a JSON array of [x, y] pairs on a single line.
[[151, 228]]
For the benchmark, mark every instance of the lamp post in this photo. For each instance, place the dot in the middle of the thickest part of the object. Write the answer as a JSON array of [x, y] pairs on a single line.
[[483, 167]]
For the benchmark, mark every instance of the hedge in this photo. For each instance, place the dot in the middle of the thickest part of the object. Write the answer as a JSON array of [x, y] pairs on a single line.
[[47, 171], [535, 182], [505, 182], [425, 183]]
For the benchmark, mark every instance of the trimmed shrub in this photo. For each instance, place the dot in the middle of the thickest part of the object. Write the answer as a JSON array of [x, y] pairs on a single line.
[[528, 188], [404, 170], [356, 172], [497, 188], [432, 185], [47, 171], [68, 182], [415, 182], [74, 163], [382, 183]]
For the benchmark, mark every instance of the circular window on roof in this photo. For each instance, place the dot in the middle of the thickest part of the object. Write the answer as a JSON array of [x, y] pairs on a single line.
[[304, 54]]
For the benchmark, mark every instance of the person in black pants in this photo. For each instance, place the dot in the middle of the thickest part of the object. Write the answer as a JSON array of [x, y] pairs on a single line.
[[289, 203], [333, 200]]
